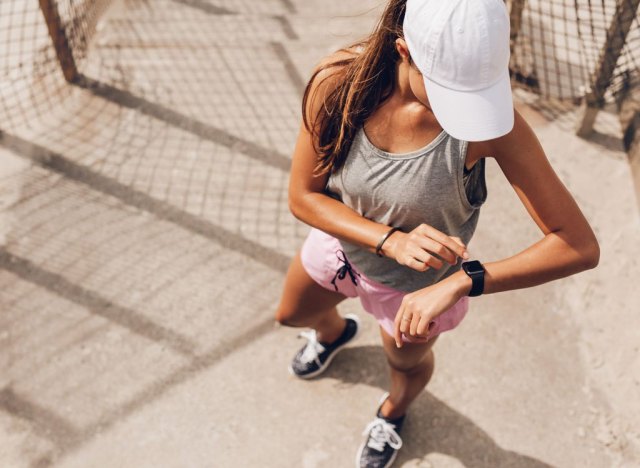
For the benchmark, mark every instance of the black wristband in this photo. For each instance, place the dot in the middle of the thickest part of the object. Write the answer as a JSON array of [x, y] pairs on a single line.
[[384, 238], [475, 271]]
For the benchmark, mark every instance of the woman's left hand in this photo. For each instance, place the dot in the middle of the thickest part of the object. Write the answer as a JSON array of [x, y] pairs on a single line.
[[419, 308]]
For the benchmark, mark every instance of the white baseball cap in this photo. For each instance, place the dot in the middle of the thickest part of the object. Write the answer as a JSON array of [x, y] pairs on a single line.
[[461, 47]]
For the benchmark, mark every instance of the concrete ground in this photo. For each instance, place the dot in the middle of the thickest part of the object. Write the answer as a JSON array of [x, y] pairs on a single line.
[[145, 235]]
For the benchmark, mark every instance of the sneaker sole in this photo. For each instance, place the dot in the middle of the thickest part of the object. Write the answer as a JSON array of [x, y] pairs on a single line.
[[337, 350]]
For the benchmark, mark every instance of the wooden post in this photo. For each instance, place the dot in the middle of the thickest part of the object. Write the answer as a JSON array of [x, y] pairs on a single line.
[[60, 42], [530, 81], [616, 38], [632, 144], [515, 20], [630, 121]]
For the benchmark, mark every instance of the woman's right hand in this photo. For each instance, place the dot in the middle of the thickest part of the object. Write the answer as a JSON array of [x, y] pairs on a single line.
[[423, 248]]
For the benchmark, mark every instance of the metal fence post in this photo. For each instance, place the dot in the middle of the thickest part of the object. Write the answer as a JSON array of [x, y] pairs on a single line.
[[60, 41], [616, 37]]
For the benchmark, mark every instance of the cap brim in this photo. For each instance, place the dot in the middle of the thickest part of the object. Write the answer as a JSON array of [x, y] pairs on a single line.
[[473, 115]]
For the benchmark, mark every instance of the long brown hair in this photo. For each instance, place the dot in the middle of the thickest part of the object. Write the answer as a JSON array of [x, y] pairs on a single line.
[[367, 79]]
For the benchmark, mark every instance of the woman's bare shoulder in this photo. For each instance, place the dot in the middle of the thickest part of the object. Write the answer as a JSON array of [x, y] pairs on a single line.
[[327, 74], [332, 66], [339, 55]]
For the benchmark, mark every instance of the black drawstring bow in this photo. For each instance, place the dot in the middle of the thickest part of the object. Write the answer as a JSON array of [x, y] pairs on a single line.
[[343, 270]]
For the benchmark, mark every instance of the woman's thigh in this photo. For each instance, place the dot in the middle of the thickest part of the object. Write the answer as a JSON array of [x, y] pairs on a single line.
[[302, 297], [410, 356]]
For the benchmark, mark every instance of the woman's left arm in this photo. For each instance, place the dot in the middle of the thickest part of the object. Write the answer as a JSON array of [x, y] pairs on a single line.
[[568, 246]]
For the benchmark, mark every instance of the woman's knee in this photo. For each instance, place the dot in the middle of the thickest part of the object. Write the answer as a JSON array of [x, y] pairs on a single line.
[[303, 300], [425, 364], [304, 317], [289, 317], [412, 357], [282, 317]]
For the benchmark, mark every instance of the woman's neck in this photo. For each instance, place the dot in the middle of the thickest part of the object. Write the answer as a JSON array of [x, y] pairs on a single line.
[[404, 97], [402, 89], [402, 123]]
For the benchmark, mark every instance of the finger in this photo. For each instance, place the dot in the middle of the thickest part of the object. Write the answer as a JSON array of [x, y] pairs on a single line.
[[432, 246], [434, 262], [417, 265], [404, 325], [422, 256], [414, 324], [417, 339], [397, 334], [458, 240], [425, 326], [447, 241], [466, 251]]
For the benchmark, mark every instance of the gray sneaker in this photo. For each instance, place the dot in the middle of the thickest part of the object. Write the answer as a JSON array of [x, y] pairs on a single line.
[[314, 357]]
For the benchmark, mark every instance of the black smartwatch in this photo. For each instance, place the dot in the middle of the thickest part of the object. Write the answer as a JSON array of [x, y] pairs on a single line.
[[475, 271]]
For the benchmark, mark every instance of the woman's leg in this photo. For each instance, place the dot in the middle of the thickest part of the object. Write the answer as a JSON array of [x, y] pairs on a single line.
[[411, 369], [304, 303]]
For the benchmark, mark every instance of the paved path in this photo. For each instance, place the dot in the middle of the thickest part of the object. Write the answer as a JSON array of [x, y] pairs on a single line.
[[145, 233]]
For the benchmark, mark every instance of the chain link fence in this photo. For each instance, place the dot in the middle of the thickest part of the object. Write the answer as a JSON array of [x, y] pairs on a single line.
[[580, 51], [38, 41], [559, 47], [147, 200]]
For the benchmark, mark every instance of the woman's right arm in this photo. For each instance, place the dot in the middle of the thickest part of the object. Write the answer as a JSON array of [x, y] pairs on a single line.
[[309, 203]]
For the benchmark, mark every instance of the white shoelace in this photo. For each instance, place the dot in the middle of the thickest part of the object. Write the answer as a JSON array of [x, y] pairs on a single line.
[[313, 348], [382, 432]]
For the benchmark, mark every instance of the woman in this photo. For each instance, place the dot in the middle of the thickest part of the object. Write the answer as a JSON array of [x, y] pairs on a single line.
[[388, 170]]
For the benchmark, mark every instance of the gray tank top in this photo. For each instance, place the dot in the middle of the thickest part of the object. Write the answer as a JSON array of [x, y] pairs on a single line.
[[429, 185]]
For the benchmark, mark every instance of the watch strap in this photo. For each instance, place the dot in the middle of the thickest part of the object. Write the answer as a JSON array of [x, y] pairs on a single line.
[[475, 271], [477, 284]]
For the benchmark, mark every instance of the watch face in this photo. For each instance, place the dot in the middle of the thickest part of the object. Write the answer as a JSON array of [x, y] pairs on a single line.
[[473, 267]]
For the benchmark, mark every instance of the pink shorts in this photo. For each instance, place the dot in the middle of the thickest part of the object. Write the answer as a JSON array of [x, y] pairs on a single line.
[[322, 258]]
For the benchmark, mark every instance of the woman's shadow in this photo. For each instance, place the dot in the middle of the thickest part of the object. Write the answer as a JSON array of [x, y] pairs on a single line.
[[432, 427]]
